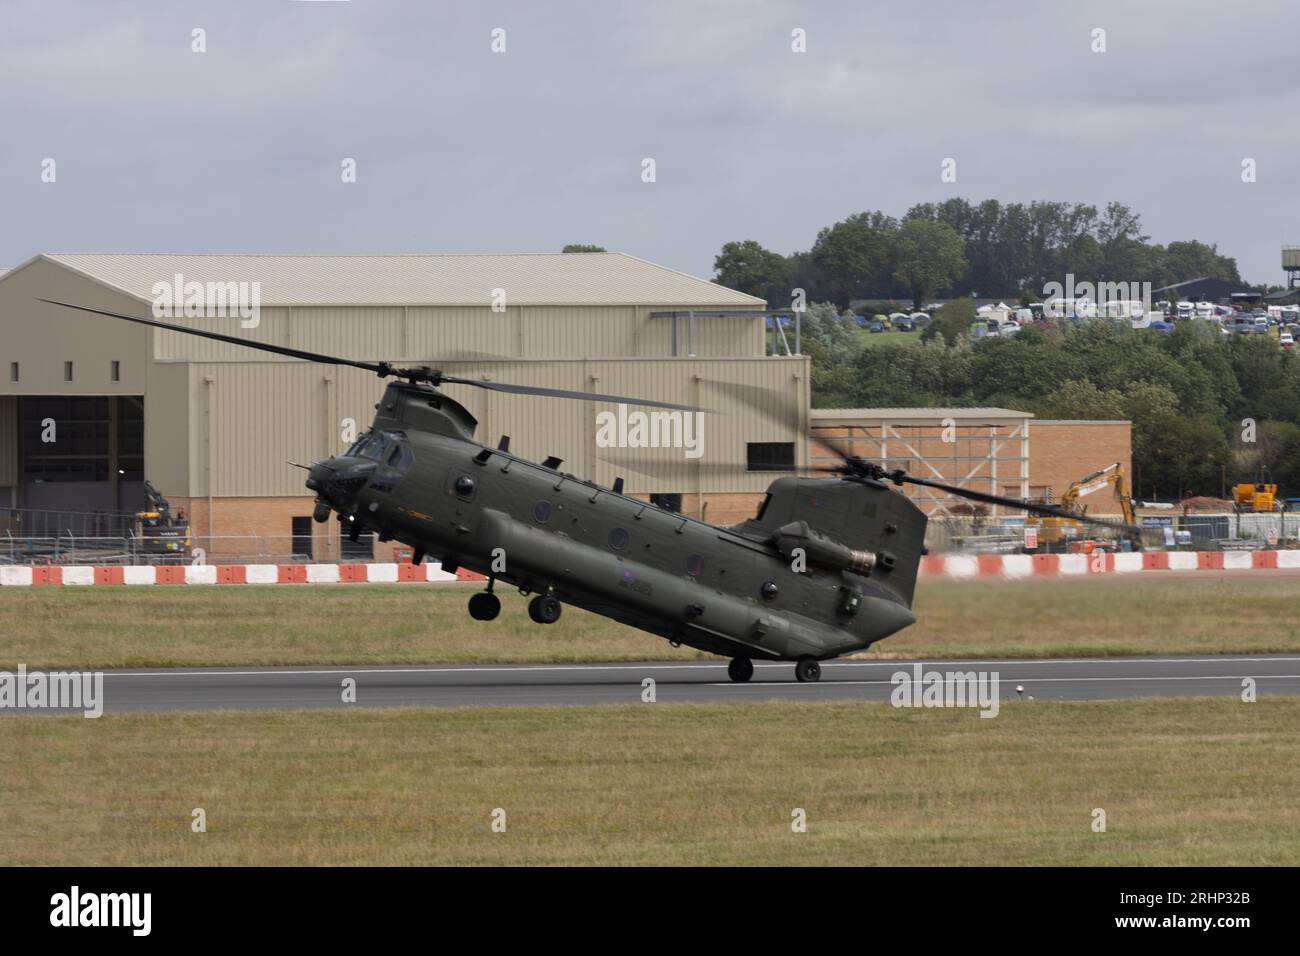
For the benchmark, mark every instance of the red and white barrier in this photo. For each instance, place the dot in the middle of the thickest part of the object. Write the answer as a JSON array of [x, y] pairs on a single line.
[[22, 576], [956, 566], [1012, 566]]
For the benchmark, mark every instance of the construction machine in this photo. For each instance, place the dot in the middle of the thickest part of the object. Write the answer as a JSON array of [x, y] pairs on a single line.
[[1258, 496], [1057, 534], [160, 534]]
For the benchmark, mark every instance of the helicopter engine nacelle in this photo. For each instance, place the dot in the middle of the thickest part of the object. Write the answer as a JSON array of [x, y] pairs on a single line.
[[821, 550]]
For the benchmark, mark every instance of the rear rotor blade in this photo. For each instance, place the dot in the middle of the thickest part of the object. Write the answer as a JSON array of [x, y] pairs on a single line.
[[1046, 511]]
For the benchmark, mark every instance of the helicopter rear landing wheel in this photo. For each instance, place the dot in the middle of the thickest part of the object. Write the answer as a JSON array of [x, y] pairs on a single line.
[[545, 609], [484, 606], [807, 671], [740, 669]]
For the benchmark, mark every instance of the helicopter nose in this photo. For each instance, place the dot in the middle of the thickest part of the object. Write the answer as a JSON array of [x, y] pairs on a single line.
[[317, 476], [335, 479]]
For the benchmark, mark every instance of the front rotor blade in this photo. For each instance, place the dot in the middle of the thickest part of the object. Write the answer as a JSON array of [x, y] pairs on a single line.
[[377, 368], [562, 393], [1046, 511]]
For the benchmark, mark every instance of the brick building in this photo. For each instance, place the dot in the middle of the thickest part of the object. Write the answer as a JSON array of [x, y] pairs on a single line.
[[994, 450]]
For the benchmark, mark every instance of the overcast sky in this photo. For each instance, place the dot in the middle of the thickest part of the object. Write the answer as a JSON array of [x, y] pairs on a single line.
[[459, 149]]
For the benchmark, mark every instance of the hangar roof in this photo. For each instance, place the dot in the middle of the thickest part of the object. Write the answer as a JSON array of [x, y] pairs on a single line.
[[590, 278], [827, 416]]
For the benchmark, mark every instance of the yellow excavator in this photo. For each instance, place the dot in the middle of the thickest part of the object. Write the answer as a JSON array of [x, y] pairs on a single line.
[[161, 536], [1259, 496], [1052, 532]]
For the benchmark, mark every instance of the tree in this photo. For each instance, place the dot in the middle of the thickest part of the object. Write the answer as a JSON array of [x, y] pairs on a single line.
[[952, 322], [579, 247], [930, 257], [852, 259], [1080, 399], [748, 267], [1181, 261]]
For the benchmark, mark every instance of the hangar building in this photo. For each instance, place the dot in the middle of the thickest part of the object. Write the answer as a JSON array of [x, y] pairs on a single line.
[[212, 426]]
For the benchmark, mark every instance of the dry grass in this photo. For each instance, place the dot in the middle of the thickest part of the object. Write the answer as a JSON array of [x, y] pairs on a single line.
[[1182, 782], [368, 624]]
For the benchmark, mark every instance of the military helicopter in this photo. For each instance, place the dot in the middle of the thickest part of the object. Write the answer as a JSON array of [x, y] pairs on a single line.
[[826, 567]]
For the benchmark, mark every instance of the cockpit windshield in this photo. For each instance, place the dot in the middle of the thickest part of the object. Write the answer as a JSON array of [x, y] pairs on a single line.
[[388, 447]]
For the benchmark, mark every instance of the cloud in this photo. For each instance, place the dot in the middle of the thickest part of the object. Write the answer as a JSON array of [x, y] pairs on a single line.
[[461, 149]]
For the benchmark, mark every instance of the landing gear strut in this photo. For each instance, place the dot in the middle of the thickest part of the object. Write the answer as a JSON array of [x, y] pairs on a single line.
[[740, 669], [545, 609], [807, 671]]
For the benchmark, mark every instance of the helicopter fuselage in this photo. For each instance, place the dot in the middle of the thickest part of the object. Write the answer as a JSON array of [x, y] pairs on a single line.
[[782, 586]]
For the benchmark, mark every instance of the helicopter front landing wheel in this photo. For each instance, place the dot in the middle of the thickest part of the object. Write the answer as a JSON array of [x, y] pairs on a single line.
[[807, 671], [545, 609], [484, 606], [740, 669]]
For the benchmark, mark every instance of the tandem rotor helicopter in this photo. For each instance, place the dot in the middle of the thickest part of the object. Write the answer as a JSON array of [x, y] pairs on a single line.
[[418, 476]]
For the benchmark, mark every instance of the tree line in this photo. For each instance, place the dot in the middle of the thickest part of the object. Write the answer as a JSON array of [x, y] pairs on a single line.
[[955, 248]]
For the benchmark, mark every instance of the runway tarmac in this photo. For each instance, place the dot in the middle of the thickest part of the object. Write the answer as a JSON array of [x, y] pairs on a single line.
[[449, 685]]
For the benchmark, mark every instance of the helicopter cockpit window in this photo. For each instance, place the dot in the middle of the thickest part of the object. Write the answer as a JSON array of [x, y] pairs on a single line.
[[381, 446], [354, 450]]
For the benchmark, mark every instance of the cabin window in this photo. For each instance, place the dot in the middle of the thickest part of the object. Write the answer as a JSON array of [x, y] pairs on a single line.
[[694, 565], [768, 590], [542, 512], [769, 456], [668, 502], [464, 487], [618, 539]]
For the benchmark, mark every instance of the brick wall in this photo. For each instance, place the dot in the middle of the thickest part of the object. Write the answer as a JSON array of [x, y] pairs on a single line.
[[246, 528], [1062, 452]]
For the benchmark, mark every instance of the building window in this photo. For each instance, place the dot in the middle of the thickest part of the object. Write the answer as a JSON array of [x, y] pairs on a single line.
[[13, 371], [67, 371], [362, 549], [115, 371], [301, 536], [769, 456]]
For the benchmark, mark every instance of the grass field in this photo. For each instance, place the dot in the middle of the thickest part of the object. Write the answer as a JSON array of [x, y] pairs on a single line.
[[368, 624], [1181, 781]]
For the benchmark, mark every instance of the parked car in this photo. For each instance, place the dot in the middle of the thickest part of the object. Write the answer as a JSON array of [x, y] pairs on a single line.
[[1161, 326], [1286, 340], [876, 326]]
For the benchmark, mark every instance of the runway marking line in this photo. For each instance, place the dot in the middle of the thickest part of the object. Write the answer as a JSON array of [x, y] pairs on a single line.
[[509, 668]]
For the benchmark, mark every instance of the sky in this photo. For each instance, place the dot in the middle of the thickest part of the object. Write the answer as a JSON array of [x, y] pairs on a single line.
[[458, 148]]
